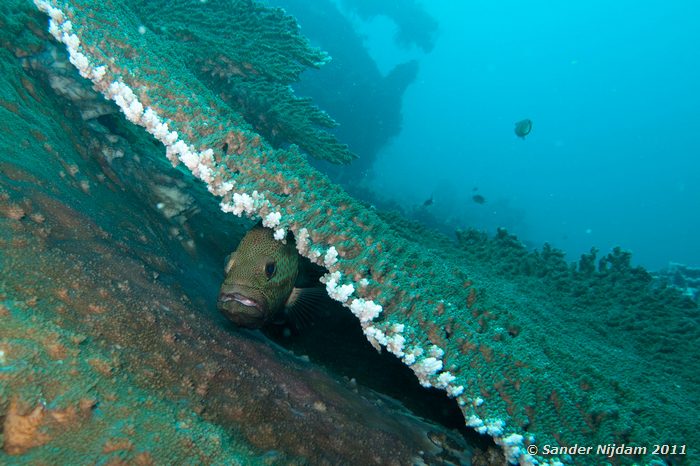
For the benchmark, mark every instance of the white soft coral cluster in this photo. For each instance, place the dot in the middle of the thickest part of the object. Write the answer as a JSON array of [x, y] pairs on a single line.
[[393, 339], [376, 337], [512, 447], [426, 368], [303, 242], [127, 101], [365, 310], [396, 341], [280, 234], [331, 257], [154, 125], [444, 379], [334, 289], [244, 203], [201, 164], [272, 219], [453, 391], [435, 352], [62, 30]]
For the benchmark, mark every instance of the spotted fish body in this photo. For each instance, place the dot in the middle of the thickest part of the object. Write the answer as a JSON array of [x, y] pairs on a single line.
[[260, 278]]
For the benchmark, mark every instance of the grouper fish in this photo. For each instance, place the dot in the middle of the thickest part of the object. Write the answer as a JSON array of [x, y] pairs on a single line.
[[268, 282]]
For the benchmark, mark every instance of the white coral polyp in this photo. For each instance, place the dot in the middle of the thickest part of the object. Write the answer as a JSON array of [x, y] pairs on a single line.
[[280, 234], [444, 379], [412, 355], [99, 72], [150, 119], [205, 173], [494, 427], [425, 369], [395, 344], [134, 111], [171, 138], [302, 241], [375, 336], [331, 257], [474, 421], [454, 391], [221, 189], [365, 310], [54, 13], [436, 352], [314, 254], [242, 203], [512, 447], [272, 219], [71, 40], [159, 131], [334, 289], [54, 30], [189, 158], [81, 62]]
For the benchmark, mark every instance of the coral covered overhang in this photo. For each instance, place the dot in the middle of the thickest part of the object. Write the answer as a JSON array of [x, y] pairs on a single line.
[[528, 360]]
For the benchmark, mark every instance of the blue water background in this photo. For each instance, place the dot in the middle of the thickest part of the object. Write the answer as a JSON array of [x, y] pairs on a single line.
[[613, 91]]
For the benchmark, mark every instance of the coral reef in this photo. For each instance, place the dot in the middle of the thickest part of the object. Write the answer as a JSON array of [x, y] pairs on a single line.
[[682, 277], [524, 367], [111, 350], [253, 79]]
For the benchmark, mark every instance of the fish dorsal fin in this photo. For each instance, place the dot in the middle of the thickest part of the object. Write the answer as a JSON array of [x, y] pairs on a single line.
[[303, 305]]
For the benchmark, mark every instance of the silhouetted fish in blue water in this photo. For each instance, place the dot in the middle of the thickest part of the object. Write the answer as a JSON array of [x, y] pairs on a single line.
[[478, 198], [428, 202], [523, 128]]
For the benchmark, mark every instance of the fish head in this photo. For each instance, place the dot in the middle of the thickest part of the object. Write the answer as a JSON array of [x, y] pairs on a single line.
[[260, 276]]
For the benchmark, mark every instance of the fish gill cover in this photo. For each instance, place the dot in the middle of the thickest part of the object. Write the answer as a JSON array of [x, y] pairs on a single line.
[[535, 351]]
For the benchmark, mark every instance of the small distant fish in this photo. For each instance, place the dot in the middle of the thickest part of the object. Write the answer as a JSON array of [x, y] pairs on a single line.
[[263, 283], [478, 198], [428, 202], [523, 128]]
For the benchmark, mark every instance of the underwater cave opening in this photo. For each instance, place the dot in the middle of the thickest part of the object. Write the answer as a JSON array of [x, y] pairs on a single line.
[[335, 341]]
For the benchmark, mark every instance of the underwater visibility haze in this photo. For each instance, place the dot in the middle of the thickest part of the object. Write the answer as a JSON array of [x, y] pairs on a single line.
[[349, 232], [613, 158]]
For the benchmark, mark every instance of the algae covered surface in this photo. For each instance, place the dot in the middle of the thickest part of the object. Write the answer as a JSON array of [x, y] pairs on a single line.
[[111, 259]]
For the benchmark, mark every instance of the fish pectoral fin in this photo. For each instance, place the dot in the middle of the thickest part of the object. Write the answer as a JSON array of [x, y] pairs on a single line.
[[303, 305]]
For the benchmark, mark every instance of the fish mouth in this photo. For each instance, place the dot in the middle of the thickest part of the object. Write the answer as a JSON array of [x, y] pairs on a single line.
[[239, 298], [242, 310]]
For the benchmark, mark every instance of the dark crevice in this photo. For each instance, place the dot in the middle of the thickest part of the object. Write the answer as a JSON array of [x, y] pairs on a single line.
[[336, 342]]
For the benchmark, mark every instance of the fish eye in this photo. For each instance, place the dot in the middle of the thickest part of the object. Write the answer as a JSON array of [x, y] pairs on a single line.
[[270, 269]]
